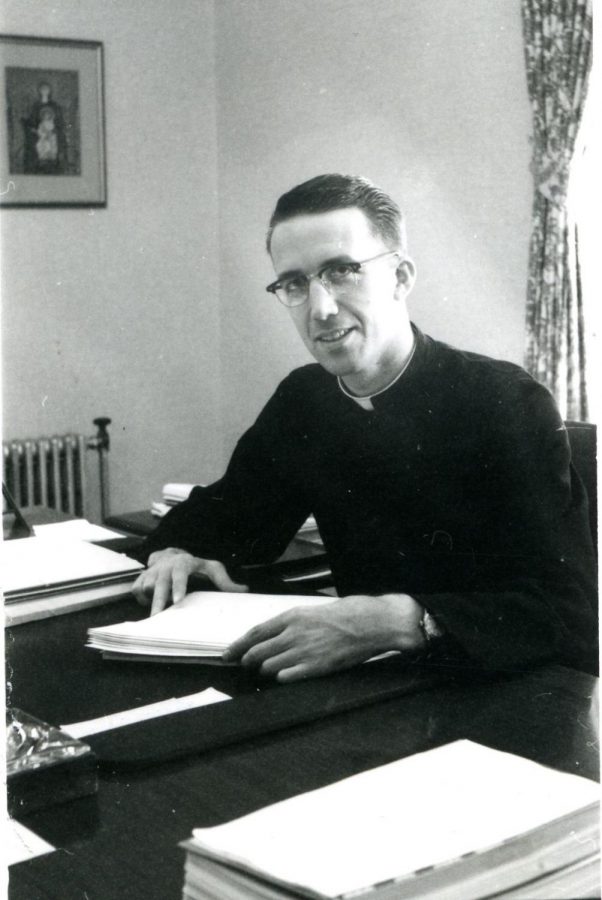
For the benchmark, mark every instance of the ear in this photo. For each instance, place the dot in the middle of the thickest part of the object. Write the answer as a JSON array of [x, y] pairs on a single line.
[[406, 276]]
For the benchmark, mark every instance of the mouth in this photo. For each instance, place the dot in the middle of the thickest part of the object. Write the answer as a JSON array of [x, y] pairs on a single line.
[[333, 337]]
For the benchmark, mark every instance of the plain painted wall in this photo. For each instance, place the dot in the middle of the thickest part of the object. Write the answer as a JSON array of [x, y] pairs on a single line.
[[428, 99], [113, 311], [153, 311]]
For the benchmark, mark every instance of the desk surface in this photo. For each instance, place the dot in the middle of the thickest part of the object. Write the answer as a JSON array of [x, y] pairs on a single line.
[[123, 843]]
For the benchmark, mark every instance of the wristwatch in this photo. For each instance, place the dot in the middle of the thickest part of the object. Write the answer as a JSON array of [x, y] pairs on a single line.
[[429, 627]]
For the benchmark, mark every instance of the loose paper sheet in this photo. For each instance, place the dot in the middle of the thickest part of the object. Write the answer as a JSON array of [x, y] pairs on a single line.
[[142, 713], [388, 822], [76, 530], [22, 844]]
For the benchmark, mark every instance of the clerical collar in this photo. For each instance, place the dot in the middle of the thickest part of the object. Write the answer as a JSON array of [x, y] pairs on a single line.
[[366, 402]]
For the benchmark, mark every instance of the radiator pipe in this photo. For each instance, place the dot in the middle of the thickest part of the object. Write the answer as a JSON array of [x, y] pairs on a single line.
[[102, 442]]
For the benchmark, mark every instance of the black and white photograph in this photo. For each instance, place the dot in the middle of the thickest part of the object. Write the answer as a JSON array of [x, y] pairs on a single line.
[[300, 393]]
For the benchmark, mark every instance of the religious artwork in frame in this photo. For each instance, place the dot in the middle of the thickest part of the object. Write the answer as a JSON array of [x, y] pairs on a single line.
[[52, 122]]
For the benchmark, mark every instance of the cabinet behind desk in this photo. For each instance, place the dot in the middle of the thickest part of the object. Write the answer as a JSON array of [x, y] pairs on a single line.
[[139, 523]]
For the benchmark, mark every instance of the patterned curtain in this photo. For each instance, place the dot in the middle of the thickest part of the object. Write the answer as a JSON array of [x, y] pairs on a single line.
[[558, 38]]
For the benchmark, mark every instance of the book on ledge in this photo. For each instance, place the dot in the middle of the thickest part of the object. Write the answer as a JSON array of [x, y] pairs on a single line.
[[460, 821], [198, 628], [172, 494]]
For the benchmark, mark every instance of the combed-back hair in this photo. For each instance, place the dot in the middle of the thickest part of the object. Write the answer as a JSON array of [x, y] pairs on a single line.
[[325, 193]]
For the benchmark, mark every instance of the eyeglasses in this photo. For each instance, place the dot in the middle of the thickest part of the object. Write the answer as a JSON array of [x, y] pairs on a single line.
[[335, 277]]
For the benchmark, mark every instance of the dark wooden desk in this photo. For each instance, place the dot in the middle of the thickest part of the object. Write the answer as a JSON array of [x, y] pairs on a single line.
[[122, 843]]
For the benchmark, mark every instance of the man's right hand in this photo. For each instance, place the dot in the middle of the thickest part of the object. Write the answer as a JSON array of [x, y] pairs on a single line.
[[166, 578]]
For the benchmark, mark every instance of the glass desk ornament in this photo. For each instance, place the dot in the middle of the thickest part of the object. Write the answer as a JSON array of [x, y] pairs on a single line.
[[44, 765]]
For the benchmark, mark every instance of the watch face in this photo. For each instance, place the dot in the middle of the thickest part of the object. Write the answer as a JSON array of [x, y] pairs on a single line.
[[430, 627]]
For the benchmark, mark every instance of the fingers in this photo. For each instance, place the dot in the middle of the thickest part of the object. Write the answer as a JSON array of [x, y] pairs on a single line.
[[166, 578], [163, 591], [138, 590], [144, 587], [161, 583], [216, 572], [279, 648], [305, 642], [296, 673], [179, 580], [274, 657], [248, 645]]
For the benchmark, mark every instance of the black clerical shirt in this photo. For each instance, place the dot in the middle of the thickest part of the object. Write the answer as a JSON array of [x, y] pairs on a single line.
[[456, 489]]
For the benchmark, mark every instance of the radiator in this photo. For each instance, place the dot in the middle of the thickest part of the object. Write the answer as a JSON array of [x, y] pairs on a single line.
[[47, 472]]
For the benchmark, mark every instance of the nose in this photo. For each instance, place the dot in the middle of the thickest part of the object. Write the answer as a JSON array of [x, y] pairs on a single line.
[[321, 304]]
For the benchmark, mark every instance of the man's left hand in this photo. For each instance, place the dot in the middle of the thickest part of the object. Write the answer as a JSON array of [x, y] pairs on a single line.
[[308, 641]]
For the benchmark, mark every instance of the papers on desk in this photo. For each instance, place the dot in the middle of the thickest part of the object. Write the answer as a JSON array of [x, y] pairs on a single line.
[[144, 713], [21, 843], [200, 626], [75, 530], [171, 495], [35, 566], [42, 576], [176, 492], [387, 831]]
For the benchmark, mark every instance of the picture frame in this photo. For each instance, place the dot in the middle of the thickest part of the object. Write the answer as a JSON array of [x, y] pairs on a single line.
[[52, 139]]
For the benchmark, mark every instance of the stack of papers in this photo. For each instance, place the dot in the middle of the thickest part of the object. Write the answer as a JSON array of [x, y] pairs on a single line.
[[176, 492], [34, 567], [201, 625], [172, 494], [42, 576], [462, 820]]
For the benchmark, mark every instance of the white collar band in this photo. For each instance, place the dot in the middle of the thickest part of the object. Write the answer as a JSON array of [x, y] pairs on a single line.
[[366, 401]]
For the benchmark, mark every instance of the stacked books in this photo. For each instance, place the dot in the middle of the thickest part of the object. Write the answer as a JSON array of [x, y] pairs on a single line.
[[462, 820], [171, 495], [197, 629]]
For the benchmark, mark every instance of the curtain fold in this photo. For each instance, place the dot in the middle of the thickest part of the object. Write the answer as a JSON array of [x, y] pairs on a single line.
[[558, 41]]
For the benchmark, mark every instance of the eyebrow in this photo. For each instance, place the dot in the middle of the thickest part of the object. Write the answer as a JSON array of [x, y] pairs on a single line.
[[333, 260]]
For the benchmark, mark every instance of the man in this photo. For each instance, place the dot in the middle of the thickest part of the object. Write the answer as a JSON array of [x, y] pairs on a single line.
[[439, 479]]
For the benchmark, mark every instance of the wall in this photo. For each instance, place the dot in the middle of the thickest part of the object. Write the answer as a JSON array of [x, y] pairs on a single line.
[[112, 311], [426, 97], [141, 312]]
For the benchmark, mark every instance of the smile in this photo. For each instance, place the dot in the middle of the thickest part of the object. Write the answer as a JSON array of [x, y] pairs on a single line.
[[331, 337]]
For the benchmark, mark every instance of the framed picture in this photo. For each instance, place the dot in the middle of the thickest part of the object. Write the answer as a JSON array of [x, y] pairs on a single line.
[[52, 133]]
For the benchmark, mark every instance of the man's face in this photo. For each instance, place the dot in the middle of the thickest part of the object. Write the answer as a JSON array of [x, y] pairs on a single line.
[[361, 334]]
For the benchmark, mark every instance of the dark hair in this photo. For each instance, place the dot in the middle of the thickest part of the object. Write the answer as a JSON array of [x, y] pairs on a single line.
[[325, 193]]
